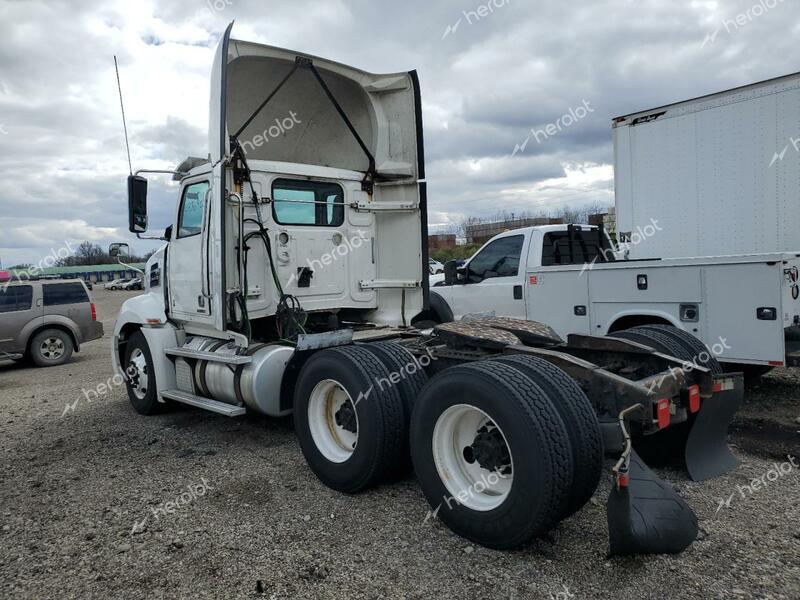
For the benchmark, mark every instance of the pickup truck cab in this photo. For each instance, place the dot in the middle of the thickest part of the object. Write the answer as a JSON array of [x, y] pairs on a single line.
[[573, 279]]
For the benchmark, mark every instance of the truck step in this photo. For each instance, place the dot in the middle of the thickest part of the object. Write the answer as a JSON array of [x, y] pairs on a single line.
[[229, 410], [229, 359]]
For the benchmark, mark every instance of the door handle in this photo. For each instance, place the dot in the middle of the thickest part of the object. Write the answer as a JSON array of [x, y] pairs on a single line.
[[517, 292]]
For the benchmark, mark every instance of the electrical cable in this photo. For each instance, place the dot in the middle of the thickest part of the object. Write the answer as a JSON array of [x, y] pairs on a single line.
[[290, 318]]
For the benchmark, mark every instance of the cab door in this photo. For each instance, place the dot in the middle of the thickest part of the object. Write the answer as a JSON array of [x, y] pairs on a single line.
[[187, 263], [494, 281]]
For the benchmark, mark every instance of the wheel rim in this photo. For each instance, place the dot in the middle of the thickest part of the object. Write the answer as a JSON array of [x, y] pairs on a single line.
[[472, 457], [333, 421], [137, 373], [52, 348]]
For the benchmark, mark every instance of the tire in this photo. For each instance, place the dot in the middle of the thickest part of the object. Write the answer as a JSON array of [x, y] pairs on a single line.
[[349, 381], [501, 410], [51, 347], [668, 446], [398, 360], [674, 342], [140, 377], [580, 420], [691, 343]]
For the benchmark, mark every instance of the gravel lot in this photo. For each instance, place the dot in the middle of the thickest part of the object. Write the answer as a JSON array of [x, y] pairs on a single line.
[[249, 519]]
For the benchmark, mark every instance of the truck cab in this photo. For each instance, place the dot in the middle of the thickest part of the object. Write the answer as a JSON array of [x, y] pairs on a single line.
[[307, 213], [498, 277]]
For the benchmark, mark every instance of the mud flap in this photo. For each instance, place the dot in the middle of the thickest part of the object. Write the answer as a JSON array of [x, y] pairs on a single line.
[[646, 515], [707, 454]]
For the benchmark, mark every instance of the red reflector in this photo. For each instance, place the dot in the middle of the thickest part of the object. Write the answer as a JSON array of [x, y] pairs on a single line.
[[663, 413], [94, 312], [622, 480], [717, 386], [694, 398], [775, 363]]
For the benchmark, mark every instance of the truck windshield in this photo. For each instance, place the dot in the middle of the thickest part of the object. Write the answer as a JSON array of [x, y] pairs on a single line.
[[585, 248]]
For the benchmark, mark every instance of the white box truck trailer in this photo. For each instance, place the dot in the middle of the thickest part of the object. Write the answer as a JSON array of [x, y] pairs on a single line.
[[718, 173]]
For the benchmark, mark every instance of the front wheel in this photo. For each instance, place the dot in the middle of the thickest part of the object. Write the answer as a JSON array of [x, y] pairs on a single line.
[[51, 347], [140, 378]]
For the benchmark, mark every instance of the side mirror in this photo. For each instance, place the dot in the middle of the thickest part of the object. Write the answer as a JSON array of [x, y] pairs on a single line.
[[451, 272], [119, 250], [137, 204]]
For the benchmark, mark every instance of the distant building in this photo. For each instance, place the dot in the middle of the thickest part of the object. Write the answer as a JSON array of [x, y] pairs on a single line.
[[441, 241], [93, 273], [483, 232], [606, 219]]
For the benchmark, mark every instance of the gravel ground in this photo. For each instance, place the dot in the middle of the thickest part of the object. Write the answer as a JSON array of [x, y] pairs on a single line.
[[78, 490]]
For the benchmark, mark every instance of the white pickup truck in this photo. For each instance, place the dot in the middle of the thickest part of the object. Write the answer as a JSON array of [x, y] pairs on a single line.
[[745, 308]]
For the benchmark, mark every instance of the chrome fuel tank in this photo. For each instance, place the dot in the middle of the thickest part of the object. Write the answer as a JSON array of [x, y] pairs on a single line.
[[256, 385]]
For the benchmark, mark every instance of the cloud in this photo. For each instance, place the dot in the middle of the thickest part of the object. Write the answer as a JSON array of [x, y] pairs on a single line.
[[484, 87]]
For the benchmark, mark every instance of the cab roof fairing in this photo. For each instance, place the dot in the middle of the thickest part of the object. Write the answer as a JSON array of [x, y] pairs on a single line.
[[300, 124]]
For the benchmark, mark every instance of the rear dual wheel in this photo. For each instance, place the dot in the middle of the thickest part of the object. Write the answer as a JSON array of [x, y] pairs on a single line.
[[503, 449], [352, 408], [495, 458]]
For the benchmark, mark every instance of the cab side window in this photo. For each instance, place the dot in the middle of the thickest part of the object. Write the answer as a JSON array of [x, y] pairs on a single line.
[[193, 207], [585, 248], [501, 258], [16, 298], [315, 203]]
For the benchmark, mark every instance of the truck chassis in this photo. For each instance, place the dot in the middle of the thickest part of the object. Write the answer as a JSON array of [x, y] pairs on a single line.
[[504, 423]]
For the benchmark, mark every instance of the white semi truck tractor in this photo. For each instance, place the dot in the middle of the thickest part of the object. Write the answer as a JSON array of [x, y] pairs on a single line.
[[288, 282]]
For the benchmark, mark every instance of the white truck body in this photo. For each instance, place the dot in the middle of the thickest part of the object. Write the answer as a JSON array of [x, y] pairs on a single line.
[[716, 299], [718, 173], [295, 264]]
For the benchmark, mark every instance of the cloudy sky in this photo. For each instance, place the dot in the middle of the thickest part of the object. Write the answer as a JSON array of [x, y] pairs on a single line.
[[488, 76]]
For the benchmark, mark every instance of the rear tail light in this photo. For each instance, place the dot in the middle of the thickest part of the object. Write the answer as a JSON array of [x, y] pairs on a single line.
[[694, 398], [94, 312], [663, 413]]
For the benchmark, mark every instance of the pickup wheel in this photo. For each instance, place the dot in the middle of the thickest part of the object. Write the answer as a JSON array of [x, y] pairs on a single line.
[[491, 454], [668, 446], [691, 345], [674, 342], [51, 347], [140, 377], [580, 420], [350, 422]]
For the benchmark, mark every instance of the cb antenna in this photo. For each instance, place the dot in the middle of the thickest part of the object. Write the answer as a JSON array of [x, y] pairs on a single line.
[[124, 126]]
